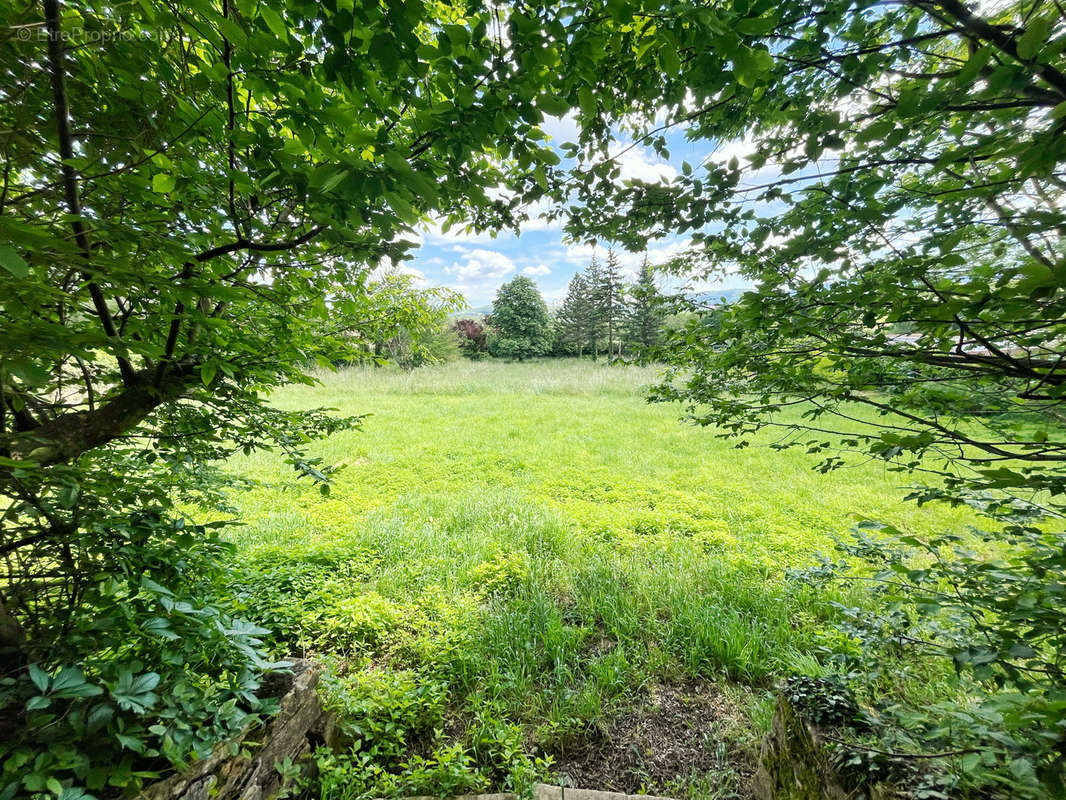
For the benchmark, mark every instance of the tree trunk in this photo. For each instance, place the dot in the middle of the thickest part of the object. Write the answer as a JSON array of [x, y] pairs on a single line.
[[13, 656]]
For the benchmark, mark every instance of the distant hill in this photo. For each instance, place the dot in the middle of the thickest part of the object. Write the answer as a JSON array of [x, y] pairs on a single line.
[[717, 296], [472, 313]]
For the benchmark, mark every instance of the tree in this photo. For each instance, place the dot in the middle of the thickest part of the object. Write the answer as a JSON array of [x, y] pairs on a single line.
[[596, 328], [900, 214], [472, 337], [519, 322], [612, 303], [398, 322], [644, 324], [575, 319]]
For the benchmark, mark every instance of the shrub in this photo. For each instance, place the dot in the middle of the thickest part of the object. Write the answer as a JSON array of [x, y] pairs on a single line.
[[472, 338], [990, 605], [148, 673]]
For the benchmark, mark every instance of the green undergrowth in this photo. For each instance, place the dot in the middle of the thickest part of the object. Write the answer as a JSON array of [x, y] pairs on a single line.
[[515, 553]]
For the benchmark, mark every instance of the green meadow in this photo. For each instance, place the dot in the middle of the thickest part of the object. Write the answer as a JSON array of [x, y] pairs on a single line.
[[527, 571]]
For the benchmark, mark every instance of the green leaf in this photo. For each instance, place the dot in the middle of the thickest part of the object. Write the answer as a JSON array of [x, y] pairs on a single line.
[[207, 372], [231, 30], [553, 105], [907, 102], [327, 177], [144, 683], [40, 678], [755, 26], [163, 182], [587, 101], [29, 372], [274, 21], [749, 65], [16, 464], [13, 262], [669, 60], [70, 682], [550, 157], [974, 64], [155, 588], [1030, 41], [130, 743]]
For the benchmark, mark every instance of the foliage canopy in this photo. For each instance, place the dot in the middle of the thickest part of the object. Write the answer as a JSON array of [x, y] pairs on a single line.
[[520, 327]]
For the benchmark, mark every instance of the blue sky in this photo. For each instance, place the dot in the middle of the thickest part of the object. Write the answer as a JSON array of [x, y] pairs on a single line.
[[476, 265]]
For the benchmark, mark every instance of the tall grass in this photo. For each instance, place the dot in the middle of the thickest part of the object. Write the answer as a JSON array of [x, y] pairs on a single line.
[[546, 543]]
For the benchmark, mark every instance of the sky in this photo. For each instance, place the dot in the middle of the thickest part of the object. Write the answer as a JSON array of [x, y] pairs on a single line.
[[477, 264]]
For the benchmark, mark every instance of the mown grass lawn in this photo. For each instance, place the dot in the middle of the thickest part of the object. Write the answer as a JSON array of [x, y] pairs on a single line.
[[517, 556]]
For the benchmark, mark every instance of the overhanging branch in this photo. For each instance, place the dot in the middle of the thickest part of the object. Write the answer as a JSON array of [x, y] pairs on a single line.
[[68, 436]]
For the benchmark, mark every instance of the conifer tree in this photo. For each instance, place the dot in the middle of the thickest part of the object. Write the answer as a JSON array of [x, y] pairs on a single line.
[[575, 319], [645, 320], [612, 304], [596, 326]]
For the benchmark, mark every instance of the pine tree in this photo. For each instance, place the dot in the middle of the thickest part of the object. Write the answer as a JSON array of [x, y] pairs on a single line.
[[613, 304], [575, 317], [597, 323], [645, 322]]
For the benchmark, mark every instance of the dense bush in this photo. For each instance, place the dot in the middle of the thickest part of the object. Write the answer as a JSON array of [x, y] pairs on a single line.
[[473, 337], [394, 744], [990, 605], [149, 670]]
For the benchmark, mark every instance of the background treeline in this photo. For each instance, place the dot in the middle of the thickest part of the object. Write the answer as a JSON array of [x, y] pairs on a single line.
[[601, 315]]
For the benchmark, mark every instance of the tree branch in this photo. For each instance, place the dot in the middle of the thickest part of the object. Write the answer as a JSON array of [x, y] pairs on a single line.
[[70, 178], [980, 30], [68, 436]]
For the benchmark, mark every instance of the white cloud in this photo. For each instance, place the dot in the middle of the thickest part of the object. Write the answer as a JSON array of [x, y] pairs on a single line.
[[537, 220], [561, 129], [388, 267], [482, 265], [637, 164], [540, 269]]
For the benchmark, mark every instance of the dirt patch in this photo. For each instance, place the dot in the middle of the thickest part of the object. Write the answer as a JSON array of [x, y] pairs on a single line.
[[677, 737]]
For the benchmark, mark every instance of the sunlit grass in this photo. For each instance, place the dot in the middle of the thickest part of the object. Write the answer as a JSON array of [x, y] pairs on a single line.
[[545, 541]]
